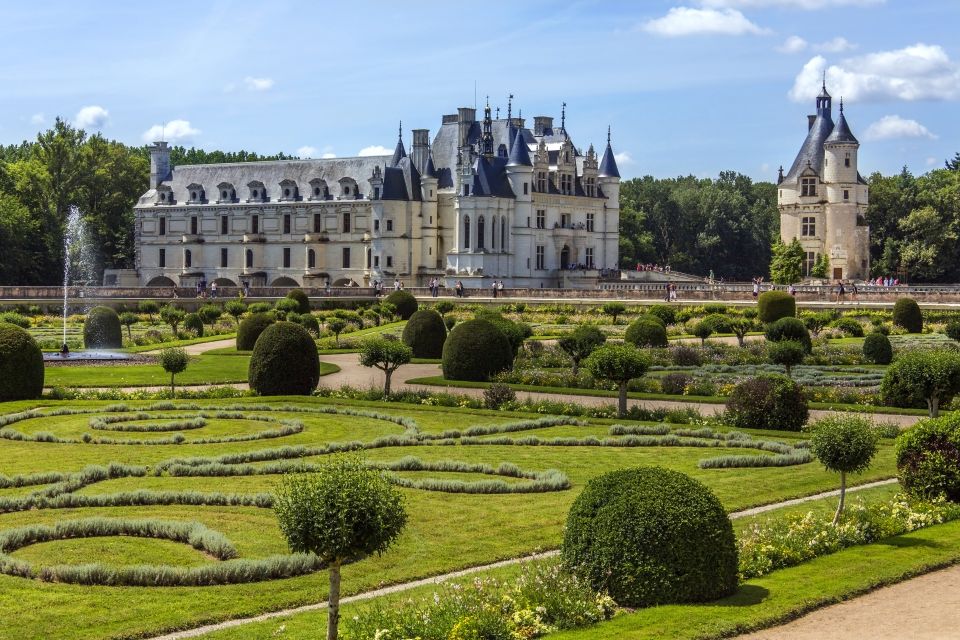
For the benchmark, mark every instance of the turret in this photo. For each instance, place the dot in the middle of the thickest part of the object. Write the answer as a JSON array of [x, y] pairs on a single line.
[[159, 163], [840, 153], [399, 153], [608, 175], [520, 169]]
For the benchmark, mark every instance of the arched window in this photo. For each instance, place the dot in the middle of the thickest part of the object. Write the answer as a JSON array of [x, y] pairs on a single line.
[[249, 258], [466, 232], [311, 259], [187, 258], [503, 234], [493, 233], [480, 239]]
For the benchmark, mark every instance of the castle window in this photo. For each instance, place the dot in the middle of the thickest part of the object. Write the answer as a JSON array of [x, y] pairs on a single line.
[[809, 259], [289, 190], [311, 259], [526, 188], [317, 223], [224, 225], [376, 261], [376, 193], [369, 257], [566, 184], [589, 222], [503, 234], [258, 192], [542, 181], [319, 189], [196, 193], [466, 232], [345, 258], [187, 258], [286, 223], [389, 261], [227, 192], [223, 257], [808, 187], [376, 225], [588, 258], [808, 226], [466, 189], [846, 160], [162, 260], [480, 238], [493, 233], [286, 257], [846, 194], [254, 224], [565, 220], [346, 222], [502, 151], [541, 257], [193, 225], [249, 258], [541, 219], [163, 226], [389, 225]]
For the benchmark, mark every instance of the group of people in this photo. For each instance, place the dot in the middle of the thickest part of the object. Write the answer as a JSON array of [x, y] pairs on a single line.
[[671, 292], [653, 267], [434, 287], [885, 281], [497, 288], [202, 289]]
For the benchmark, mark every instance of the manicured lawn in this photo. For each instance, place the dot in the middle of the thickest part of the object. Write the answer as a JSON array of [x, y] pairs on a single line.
[[445, 532]]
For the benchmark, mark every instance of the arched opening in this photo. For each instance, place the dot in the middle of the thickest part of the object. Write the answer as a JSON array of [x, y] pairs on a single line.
[[565, 257], [284, 281], [161, 281], [249, 261], [480, 239], [311, 259], [503, 234], [187, 258], [345, 282], [224, 282]]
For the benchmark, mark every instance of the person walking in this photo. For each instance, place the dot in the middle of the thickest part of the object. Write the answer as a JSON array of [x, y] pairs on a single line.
[[841, 292], [493, 288], [213, 289], [792, 290], [756, 288], [500, 288], [459, 289]]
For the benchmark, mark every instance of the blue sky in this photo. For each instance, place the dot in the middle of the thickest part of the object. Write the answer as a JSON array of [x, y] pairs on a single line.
[[688, 86]]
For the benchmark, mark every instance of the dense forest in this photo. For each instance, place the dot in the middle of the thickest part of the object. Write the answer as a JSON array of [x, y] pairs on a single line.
[[695, 225]]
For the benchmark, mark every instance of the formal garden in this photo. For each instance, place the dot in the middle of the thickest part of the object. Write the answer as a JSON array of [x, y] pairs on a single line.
[[634, 467]]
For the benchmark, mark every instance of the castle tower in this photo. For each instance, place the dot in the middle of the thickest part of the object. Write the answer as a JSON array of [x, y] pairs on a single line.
[[608, 179], [159, 163]]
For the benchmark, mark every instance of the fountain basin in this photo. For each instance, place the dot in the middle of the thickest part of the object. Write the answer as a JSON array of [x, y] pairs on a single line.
[[85, 356]]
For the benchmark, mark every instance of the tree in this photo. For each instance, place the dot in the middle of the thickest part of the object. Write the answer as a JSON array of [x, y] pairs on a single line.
[[235, 308], [173, 360], [172, 316], [149, 307], [386, 355], [787, 353], [703, 330], [336, 325], [918, 377], [786, 266], [816, 321], [614, 309], [443, 307], [954, 164], [820, 266], [343, 513], [128, 319], [619, 363], [210, 313], [580, 343], [843, 444]]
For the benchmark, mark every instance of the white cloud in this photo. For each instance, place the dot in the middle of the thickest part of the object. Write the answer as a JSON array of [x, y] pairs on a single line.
[[917, 72], [686, 21], [328, 155], [793, 44], [891, 127], [92, 117], [796, 44], [173, 131], [808, 5], [38, 119], [623, 157], [257, 84], [932, 161], [837, 45], [307, 151], [375, 150]]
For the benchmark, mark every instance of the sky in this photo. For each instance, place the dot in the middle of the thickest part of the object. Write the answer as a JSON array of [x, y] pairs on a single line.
[[687, 86]]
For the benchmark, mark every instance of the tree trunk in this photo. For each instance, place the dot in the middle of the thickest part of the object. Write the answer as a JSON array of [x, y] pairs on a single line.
[[933, 406], [173, 392], [333, 602], [576, 366], [386, 382], [787, 367], [740, 340], [843, 495], [622, 409], [129, 332]]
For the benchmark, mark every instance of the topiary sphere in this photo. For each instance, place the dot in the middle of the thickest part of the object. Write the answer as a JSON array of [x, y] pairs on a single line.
[[877, 348], [310, 323], [475, 350], [646, 333], [790, 329], [651, 536], [719, 322], [193, 322], [650, 317], [662, 311], [101, 329], [251, 328], [773, 305], [303, 301], [21, 364], [953, 330], [284, 361], [770, 401], [906, 314], [404, 303], [928, 459], [425, 333]]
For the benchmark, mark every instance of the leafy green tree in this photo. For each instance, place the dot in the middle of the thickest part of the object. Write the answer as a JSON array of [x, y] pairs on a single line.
[[740, 327], [172, 316], [149, 307], [927, 236], [703, 330], [210, 313], [931, 377], [580, 343], [843, 444], [343, 513], [820, 266], [128, 319], [614, 309], [787, 353], [620, 364], [235, 309], [815, 321], [386, 355], [786, 266], [336, 326], [174, 361], [954, 164], [444, 307]]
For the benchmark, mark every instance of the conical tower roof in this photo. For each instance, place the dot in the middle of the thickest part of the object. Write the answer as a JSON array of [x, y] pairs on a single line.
[[519, 154], [841, 132], [400, 152], [608, 164]]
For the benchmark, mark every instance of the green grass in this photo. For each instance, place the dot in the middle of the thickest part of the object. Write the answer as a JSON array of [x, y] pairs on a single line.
[[180, 343]]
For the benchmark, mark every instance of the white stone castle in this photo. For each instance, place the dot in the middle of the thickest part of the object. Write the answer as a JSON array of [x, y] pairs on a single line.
[[823, 198], [486, 200]]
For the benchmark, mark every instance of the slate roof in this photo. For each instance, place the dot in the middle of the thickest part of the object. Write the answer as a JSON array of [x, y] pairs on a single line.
[[401, 182], [811, 153], [490, 178], [608, 164], [841, 132], [398, 154], [519, 153]]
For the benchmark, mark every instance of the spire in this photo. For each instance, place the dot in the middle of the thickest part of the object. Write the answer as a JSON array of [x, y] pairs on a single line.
[[824, 101], [399, 153], [510, 109], [608, 164], [486, 141], [841, 131], [430, 169], [780, 175], [563, 117], [519, 155]]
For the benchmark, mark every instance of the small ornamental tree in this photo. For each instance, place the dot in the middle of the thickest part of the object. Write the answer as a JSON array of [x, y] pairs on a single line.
[[614, 309], [173, 361], [703, 330], [787, 353], [906, 314], [816, 321], [149, 307], [193, 322], [285, 306], [877, 348], [284, 361], [773, 305], [425, 333], [789, 329], [580, 343], [235, 309], [786, 265], [128, 319], [476, 350], [843, 444], [336, 326], [172, 316], [931, 377], [303, 302], [618, 363], [386, 355], [646, 332], [664, 312], [769, 401], [210, 313], [343, 513], [388, 311], [740, 327], [820, 266], [404, 304], [444, 307]]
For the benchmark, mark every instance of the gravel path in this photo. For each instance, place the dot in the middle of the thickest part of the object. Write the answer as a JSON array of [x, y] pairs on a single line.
[[201, 347], [407, 586]]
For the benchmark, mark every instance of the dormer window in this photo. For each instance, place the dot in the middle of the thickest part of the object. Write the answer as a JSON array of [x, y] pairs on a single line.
[[502, 151], [288, 191], [349, 189], [258, 193], [226, 192], [318, 189], [566, 184], [165, 195], [808, 187], [195, 194]]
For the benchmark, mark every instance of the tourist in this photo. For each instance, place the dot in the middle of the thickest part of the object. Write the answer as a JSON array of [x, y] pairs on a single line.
[[500, 288], [213, 289], [756, 287], [493, 288], [792, 290], [856, 294], [396, 284], [841, 292], [459, 289]]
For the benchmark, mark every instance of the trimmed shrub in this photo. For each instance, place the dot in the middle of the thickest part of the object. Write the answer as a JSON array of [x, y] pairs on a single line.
[[787, 353], [773, 305], [475, 350], [516, 332], [101, 329], [193, 322], [303, 302], [21, 365], [767, 402], [309, 322], [790, 329], [675, 383], [906, 314], [953, 330], [719, 322], [425, 333], [284, 361], [684, 356], [928, 459], [210, 313], [849, 326], [497, 395], [251, 328], [403, 302], [649, 317], [877, 348], [922, 378], [663, 312], [715, 308], [646, 333], [651, 536], [14, 318]]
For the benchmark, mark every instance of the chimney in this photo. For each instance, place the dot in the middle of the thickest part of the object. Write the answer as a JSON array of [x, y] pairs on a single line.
[[159, 163], [810, 121], [465, 117], [542, 125], [421, 148]]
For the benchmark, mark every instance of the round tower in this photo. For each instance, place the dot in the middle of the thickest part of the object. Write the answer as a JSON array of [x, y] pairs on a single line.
[[840, 154]]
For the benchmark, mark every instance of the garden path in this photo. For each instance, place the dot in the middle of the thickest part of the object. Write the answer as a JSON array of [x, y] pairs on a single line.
[[406, 586], [202, 347], [924, 608]]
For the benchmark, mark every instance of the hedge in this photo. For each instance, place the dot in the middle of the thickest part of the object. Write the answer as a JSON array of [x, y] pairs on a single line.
[[475, 350], [21, 365], [284, 361], [425, 333], [251, 328], [646, 333], [101, 329], [773, 305], [404, 303], [767, 402], [906, 314]]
